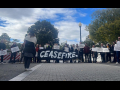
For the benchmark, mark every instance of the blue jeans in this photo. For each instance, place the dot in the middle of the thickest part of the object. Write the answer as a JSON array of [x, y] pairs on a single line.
[[118, 55]]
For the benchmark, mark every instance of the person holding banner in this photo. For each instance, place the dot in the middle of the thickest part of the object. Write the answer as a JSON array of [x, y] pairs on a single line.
[[2, 47], [66, 49], [13, 54], [102, 53], [56, 46], [108, 54], [36, 56], [81, 52], [71, 50], [40, 48], [76, 50], [22, 54], [48, 47], [94, 55], [86, 51], [29, 50], [114, 52]]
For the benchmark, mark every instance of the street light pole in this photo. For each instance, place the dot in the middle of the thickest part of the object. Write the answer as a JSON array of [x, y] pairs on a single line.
[[80, 31]]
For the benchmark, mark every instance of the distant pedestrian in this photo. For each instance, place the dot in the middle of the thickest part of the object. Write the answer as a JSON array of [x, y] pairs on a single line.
[[94, 55], [49, 47], [76, 50], [81, 54], [102, 53], [114, 52], [2, 47], [86, 51], [56, 46], [22, 54], [29, 50], [108, 54], [118, 52], [71, 50], [13, 54], [39, 58], [36, 59]]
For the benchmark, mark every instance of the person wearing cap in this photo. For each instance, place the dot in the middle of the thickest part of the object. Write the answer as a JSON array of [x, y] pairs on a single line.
[[2, 47], [29, 50]]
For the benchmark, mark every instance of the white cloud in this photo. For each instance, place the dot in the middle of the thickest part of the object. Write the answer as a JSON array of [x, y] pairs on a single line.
[[82, 14], [19, 19], [70, 31]]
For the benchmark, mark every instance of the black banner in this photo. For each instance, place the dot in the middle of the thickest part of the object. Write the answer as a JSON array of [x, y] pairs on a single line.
[[55, 54]]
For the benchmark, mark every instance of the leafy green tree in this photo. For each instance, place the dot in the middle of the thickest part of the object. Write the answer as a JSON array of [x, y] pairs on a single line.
[[45, 32], [5, 37], [105, 25]]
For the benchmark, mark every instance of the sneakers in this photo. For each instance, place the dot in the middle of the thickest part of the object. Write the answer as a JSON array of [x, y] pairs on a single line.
[[2, 63], [27, 69], [116, 62]]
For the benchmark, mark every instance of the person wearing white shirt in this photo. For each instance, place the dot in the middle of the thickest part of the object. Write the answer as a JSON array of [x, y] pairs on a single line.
[[76, 50], [56, 46], [40, 47], [102, 54], [118, 52]]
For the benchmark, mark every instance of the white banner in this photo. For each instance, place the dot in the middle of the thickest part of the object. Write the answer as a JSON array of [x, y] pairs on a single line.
[[4, 52], [41, 48], [14, 49], [56, 47], [106, 50], [66, 49], [94, 49], [81, 45], [100, 49]]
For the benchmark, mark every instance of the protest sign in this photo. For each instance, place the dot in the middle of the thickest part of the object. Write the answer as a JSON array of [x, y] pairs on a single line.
[[66, 49], [4, 52], [81, 45], [106, 50], [14, 49], [99, 49], [94, 49], [41, 48], [56, 47], [56, 54]]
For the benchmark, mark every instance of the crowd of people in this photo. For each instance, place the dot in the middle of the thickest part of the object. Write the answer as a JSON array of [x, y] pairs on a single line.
[[30, 52]]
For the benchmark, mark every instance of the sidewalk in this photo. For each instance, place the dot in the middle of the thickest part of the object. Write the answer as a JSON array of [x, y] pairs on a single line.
[[9, 71], [71, 72]]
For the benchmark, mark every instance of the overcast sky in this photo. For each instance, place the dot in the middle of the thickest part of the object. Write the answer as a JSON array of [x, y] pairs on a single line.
[[15, 21]]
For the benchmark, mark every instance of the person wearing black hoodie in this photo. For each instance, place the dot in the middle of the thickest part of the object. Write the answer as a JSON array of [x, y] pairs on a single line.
[[29, 49], [2, 47]]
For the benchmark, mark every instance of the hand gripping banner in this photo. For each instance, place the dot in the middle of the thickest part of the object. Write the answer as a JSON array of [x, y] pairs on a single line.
[[55, 54]]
